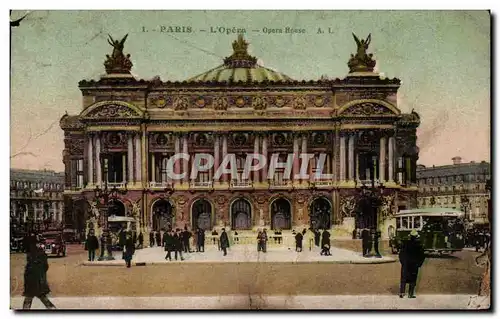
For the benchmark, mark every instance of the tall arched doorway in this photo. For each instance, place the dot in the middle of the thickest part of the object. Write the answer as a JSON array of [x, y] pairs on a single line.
[[281, 214], [241, 214], [320, 212], [201, 214], [163, 215]]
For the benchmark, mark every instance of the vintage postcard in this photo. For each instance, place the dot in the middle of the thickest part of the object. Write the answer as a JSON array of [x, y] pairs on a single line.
[[250, 160]]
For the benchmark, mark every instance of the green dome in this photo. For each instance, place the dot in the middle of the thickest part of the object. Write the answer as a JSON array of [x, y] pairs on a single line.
[[240, 66]]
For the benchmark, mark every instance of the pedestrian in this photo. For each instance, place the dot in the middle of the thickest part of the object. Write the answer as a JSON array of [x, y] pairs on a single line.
[[354, 233], [151, 239], [236, 238], [200, 242], [265, 239], [411, 257], [134, 238], [298, 242], [259, 240], [141, 240], [30, 241], [35, 277], [317, 236], [186, 235], [366, 241], [158, 238], [128, 249], [215, 238], [169, 244], [224, 241], [325, 243], [92, 244], [178, 243]]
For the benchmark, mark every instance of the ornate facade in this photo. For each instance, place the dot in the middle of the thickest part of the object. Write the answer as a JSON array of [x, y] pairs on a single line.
[[460, 185], [36, 199], [241, 107]]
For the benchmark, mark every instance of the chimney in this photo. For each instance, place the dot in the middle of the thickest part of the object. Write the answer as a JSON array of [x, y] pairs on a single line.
[[457, 160]]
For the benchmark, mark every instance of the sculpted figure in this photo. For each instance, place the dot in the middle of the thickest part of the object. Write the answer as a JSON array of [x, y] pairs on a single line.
[[362, 46], [117, 46]]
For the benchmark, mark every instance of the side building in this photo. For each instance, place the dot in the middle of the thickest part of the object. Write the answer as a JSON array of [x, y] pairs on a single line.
[[459, 185], [36, 200]]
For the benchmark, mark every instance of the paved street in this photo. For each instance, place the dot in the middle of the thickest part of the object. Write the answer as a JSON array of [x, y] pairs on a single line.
[[68, 277]]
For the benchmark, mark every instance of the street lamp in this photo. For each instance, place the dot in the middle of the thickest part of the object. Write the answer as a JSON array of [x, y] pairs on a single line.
[[108, 196], [372, 194], [464, 203]]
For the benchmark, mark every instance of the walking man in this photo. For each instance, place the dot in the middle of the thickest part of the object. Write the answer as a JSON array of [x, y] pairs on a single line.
[[201, 240], [35, 277], [298, 242], [178, 243], [141, 240], [128, 250], [92, 244], [169, 243], [186, 235], [411, 257], [224, 241], [366, 241], [151, 239]]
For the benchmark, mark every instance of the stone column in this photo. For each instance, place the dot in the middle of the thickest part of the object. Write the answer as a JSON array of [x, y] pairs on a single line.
[[391, 159], [351, 158], [90, 160], [153, 168], [138, 168], [255, 152], [296, 160], [382, 159], [185, 166], [216, 153], [98, 159], [264, 153], [177, 164], [304, 151], [342, 158], [55, 216], [224, 154], [357, 166], [130, 158], [124, 168]]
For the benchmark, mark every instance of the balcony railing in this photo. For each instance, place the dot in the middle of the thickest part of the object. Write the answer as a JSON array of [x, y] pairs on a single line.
[[201, 184], [160, 184], [276, 183], [322, 183], [241, 183], [116, 184]]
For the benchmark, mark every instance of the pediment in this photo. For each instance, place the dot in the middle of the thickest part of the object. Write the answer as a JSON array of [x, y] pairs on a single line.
[[111, 110], [368, 109]]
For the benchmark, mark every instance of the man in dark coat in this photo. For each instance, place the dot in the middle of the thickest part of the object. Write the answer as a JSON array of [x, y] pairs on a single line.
[[201, 240], [29, 242], [224, 241], [169, 243], [186, 235], [354, 233], [158, 238], [366, 241], [92, 245], [411, 257], [128, 250], [178, 243], [317, 236], [35, 278], [140, 239], [151, 239], [325, 243], [298, 242]]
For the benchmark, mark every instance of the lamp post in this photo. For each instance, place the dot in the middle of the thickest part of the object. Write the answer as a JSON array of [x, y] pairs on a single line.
[[373, 195], [464, 203], [107, 196]]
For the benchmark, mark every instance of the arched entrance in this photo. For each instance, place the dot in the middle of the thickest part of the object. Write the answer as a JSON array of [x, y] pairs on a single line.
[[80, 208], [241, 214], [320, 212], [163, 215], [281, 214], [201, 213]]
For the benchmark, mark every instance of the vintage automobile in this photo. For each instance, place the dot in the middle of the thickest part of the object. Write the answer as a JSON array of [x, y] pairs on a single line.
[[440, 230], [53, 243]]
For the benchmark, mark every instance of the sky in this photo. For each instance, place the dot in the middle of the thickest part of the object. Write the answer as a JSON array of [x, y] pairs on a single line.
[[441, 57]]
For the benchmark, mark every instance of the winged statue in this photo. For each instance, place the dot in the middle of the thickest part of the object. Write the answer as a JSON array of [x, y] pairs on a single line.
[[362, 46], [117, 46]]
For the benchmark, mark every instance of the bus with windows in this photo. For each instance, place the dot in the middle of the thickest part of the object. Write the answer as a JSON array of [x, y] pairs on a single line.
[[440, 230]]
